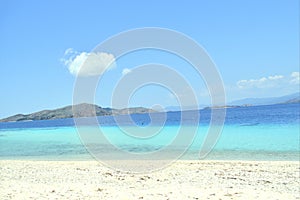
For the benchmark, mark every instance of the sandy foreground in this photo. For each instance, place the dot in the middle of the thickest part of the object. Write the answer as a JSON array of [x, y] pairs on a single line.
[[181, 180]]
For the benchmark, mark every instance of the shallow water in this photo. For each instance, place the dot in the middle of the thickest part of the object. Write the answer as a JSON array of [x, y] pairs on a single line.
[[249, 133]]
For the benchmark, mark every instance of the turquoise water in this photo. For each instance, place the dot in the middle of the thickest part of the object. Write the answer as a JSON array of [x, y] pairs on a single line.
[[236, 142], [248, 134]]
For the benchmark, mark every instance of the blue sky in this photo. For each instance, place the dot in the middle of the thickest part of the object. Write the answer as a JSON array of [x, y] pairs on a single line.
[[255, 45]]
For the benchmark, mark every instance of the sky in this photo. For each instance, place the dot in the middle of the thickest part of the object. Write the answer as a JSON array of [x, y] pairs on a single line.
[[254, 45]]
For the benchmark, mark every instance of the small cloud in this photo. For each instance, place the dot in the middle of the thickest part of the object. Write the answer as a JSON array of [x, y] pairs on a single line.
[[270, 81], [295, 78], [70, 51], [263, 82], [88, 64], [126, 71], [276, 77]]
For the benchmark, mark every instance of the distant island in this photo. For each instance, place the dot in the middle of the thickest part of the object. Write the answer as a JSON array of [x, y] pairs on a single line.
[[287, 99], [291, 98], [80, 110]]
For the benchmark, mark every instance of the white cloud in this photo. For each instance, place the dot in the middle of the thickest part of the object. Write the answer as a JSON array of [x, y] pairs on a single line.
[[263, 82], [88, 64], [295, 78], [126, 71], [70, 51], [276, 77], [270, 81]]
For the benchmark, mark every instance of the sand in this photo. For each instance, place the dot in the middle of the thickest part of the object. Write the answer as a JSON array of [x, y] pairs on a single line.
[[182, 180]]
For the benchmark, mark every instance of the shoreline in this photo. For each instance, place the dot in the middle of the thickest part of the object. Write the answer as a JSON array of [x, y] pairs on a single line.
[[125, 160], [184, 179]]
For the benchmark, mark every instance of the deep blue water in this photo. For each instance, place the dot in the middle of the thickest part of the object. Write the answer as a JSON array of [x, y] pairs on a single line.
[[281, 114], [251, 133]]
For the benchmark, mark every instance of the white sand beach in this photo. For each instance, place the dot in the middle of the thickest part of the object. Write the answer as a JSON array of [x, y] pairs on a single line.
[[182, 180]]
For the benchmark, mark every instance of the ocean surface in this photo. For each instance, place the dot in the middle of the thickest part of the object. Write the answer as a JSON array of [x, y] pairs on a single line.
[[249, 133]]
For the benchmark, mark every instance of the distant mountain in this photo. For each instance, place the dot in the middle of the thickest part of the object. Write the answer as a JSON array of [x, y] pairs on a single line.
[[292, 98], [184, 108], [80, 110]]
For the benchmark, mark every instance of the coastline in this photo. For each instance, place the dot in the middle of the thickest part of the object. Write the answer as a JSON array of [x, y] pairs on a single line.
[[184, 179]]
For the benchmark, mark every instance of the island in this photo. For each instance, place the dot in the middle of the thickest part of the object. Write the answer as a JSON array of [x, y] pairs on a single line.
[[80, 110]]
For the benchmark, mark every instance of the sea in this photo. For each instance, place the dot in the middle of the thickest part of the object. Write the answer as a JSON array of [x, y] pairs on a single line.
[[249, 133]]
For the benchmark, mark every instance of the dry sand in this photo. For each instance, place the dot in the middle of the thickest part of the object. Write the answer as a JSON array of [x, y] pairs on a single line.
[[182, 180]]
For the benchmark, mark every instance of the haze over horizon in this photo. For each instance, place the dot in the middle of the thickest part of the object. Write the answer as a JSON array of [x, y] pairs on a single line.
[[255, 46]]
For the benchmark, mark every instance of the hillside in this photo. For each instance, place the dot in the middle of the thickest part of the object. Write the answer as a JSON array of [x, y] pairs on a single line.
[[80, 110]]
